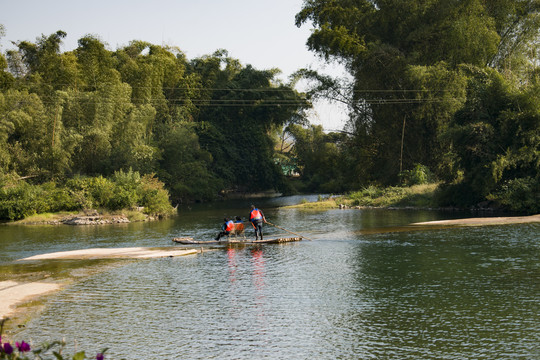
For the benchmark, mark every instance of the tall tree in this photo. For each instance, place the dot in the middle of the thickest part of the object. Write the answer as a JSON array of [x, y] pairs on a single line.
[[496, 136], [318, 157], [202, 125], [406, 58]]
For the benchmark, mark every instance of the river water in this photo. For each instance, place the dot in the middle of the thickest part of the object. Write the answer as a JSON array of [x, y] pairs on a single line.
[[365, 287]]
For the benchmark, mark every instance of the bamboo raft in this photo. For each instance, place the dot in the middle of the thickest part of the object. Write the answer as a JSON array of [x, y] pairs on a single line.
[[234, 241]]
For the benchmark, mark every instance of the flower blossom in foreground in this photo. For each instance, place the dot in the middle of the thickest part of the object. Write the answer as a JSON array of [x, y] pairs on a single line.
[[8, 349], [23, 346], [100, 356]]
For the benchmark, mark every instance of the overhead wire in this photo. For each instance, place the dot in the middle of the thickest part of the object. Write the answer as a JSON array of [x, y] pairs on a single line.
[[259, 101], [266, 89]]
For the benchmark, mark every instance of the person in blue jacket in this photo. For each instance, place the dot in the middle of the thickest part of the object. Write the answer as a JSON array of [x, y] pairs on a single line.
[[226, 228]]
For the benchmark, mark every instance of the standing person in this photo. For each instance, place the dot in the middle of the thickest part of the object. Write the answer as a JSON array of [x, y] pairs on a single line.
[[226, 228], [257, 218]]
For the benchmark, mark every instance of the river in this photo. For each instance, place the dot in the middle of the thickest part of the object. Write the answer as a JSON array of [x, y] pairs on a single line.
[[364, 287]]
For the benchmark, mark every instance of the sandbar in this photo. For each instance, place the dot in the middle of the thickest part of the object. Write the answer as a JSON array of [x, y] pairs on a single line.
[[13, 293], [483, 221], [113, 253]]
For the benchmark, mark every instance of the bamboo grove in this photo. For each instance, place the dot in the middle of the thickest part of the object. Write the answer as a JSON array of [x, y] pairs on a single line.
[[449, 88], [199, 126], [440, 90]]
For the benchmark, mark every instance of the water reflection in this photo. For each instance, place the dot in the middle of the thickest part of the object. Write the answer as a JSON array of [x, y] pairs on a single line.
[[255, 299], [258, 281]]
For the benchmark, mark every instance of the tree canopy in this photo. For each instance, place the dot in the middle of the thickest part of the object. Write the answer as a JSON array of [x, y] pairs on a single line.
[[445, 88], [202, 125], [449, 84]]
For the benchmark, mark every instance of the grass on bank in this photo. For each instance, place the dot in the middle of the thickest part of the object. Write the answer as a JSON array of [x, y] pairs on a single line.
[[131, 215], [45, 217], [396, 196]]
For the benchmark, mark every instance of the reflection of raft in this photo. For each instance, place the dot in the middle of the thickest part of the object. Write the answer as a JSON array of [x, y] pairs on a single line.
[[234, 241]]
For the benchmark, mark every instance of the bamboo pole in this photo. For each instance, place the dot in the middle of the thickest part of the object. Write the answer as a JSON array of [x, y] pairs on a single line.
[[269, 223]]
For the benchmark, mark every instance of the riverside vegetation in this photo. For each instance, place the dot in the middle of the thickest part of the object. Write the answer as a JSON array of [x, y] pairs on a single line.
[[23, 351], [417, 196], [123, 190], [450, 90]]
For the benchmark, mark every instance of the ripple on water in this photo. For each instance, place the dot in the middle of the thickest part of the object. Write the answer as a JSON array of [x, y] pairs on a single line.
[[437, 294]]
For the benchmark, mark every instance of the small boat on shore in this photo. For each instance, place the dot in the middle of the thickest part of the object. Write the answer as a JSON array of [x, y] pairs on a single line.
[[235, 241]]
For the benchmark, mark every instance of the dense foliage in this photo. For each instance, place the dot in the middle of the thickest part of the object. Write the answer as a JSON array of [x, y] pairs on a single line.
[[450, 85], [441, 91], [123, 190], [201, 126]]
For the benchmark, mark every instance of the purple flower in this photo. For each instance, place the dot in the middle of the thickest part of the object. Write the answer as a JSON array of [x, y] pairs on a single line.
[[8, 349], [23, 346], [100, 356]]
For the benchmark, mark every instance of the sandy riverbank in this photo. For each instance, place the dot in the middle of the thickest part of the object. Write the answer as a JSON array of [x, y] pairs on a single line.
[[114, 253], [13, 294], [507, 220]]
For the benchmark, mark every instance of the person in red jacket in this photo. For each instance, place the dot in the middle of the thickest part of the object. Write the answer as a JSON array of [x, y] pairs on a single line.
[[226, 228], [257, 218]]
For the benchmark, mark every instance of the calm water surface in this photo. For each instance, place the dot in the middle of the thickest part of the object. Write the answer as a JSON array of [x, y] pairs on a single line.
[[350, 293]]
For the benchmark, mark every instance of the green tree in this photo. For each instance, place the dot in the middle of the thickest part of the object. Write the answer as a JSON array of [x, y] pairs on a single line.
[[185, 166], [6, 79], [96, 64], [239, 113], [318, 157], [496, 135], [26, 123], [517, 23], [408, 60], [203, 125]]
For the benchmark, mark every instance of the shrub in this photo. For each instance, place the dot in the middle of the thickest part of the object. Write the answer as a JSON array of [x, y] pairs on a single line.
[[101, 190], [79, 189], [18, 202], [154, 197], [521, 194], [124, 190], [419, 175], [417, 195], [456, 195]]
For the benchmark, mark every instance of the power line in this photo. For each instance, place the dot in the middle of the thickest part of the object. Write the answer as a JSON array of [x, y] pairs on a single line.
[[267, 89], [255, 102]]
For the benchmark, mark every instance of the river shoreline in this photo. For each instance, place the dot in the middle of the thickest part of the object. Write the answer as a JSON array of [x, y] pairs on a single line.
[[95, 218], [20, 300]]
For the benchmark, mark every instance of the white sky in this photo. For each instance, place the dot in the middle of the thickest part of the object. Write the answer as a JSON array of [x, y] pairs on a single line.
[[257, 32]]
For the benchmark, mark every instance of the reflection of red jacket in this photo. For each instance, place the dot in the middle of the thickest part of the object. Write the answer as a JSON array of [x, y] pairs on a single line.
[[255, 215], [229, 225]]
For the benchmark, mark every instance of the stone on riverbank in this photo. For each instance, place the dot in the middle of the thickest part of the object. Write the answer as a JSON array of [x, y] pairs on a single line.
[[95, 220]]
